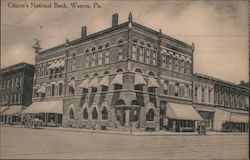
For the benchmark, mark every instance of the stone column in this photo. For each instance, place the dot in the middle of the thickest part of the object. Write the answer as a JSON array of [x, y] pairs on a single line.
[[127, 116]]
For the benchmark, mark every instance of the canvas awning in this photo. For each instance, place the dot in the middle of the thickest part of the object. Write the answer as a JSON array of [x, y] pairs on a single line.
[[204, 108], [240, 118], [118, 79], [84, 84], [152, 82], [182, 112], [104, 81], [45, 107], [42, 89], [52, 66], [139, 79], [57, 64], [94, 83], [62, 63], [3, 108], [13, 110]]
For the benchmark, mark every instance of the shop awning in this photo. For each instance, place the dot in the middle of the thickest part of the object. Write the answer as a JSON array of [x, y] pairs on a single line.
[[182, 111], [204, 108], [13, 110], [42, 89], [139, 79], [240, 118], [52, 66], [152, 82], [62, 63], [104, 81], [84, 84], [57, 64], [45, 107], [3, 108], [94, 83], [118, 79]]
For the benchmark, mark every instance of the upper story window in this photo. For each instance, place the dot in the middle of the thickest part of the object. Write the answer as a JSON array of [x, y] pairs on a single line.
[[166, 87], [154, 57], [163, 64], [186, 91], [86, 60], [203, 95], [196, 93], [134, 52], [53, 90], [120, 45], [93, 59], [209, 96], [176, 89], [100, 58], [60, 87], [106, 56], [141, 52], [73, 65]]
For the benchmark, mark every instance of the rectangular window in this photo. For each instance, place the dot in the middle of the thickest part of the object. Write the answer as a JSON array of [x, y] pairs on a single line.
[[154, 57], [120, 53], [106, 56], [93, 59], [209, 95], [182, 66], [117, 87], [60, 89], [100, 58], [151, 89], [165, 89], [53, 90], [163, 64], [141, 54], [147, 56], [176, 90], [196, 93], [203, 95], [170, 60], [139, 87], [134, 52], [186, 91], [187, 68], [87, 61]]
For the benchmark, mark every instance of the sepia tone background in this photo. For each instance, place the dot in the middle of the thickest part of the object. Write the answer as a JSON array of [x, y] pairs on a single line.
[[219, 29]]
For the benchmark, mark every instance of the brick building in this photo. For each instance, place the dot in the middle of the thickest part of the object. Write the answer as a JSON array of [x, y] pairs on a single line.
[[126, 76], [16, 91], [223, 105]]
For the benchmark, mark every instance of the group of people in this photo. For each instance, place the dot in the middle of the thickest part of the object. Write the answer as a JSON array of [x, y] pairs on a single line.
[[201, 129]]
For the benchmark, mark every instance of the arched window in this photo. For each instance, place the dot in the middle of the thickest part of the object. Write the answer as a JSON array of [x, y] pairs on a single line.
[[93, 49], [85, 114], [104, 113], [138, 70], [150, 115], [120, 102], [71, 114], [151, 74], [94, 114], [119, 70]]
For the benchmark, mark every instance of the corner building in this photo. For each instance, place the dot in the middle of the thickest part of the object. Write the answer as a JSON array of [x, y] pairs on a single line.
[[127, 76]]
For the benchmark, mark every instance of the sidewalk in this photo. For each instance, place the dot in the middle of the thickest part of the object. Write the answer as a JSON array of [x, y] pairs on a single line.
[[135, 133]]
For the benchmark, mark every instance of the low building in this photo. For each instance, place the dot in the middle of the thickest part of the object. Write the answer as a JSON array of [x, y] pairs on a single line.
[[16, 91], [223, 105]]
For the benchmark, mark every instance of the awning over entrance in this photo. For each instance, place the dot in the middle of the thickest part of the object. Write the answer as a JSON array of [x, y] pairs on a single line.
[[45, 107], [237, 115], [139, 79], [85, 84], [118, 79], [182, 111], [152, 82], [3, 108], [104, 81], [94, 82], [13, 110], [204, 108]]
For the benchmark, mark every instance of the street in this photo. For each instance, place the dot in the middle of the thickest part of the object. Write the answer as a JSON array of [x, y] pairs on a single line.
[[23, 143]]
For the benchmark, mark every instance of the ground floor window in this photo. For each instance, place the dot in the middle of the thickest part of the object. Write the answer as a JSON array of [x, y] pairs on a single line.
[[150, 115], [104, 114], [85, 114], [234, 127]]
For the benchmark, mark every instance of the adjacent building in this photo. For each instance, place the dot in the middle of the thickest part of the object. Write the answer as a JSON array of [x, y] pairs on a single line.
[[16, 91], [223, 105], [126, 76]]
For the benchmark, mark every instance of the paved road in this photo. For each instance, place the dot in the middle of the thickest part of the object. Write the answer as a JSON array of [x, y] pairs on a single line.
[[25, 143]]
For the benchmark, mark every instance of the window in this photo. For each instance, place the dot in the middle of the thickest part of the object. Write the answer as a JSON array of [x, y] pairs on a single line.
[[93, 59], [163, 61], [141, 54], [176, 89], [170, 62], [165, 89], [71, 114], [106, 56], [119, 53], [196, 93], [187, 68], [154, 57], [150, 115], [17, 98], [209, 95], [139, 87], [85, 114], [186, 91], [60, 89], [73, 65], [53, 90], [176, 64], [94, 114], [100, 58], [134, 52], [104, 114], [182, 65], [104, 88], [87, 61], [151, 89], [117, 87], [203, 95], [147, 56]]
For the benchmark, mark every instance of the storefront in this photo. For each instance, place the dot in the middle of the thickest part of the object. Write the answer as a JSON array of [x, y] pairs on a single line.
[[231, 120], [50, 112], [207, 113], [12, 115], [182, 117]]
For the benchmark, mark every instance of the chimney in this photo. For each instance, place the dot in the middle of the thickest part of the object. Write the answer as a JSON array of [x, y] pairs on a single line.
[[84, 31], [115, 20]]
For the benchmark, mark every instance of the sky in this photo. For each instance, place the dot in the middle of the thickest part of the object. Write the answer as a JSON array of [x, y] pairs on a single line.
[[219, 29]]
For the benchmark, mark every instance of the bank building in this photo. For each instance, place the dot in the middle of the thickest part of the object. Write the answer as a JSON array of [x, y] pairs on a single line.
[[125, 77]]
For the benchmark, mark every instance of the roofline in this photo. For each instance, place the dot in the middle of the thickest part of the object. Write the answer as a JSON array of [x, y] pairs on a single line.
[[220, 80], [16, 66], [93, 35]]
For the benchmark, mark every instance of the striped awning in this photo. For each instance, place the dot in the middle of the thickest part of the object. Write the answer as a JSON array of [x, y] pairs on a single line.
[[104, 81], [118, 79], [52, 66], [62, 63], [152, 82], [139, 79]]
